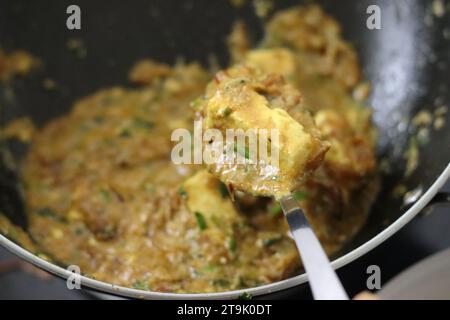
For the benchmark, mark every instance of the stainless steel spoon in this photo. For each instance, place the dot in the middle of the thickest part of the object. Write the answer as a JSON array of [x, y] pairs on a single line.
[[324, 283]]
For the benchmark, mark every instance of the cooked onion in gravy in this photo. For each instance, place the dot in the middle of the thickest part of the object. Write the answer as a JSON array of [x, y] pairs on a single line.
[[102, 192]]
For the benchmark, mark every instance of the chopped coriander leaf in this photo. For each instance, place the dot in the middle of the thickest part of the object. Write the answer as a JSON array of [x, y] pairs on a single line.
[[143, 124], [46, 212], [200, 220], [106, 196], [299, 195], [232, 244], [271, 241], [210, 269], [49, 213], [196, 103], [226, 111], [141, 285], [125, 133], [220, 282], [243, 151], [79, 231], [245, 296], [182, 192], [275, 209], [223, 190], [42, 255]]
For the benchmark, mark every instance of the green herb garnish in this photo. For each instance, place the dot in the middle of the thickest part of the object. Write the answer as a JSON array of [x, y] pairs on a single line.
[[243, 151], [106, 196], [182, 192], [232, 244], [299, 195], [220, 282], [125, 133], [200, 220], [226, 111], [275, 209], [141, 285], [46, 212], [79, 231], [245, 296], [223, 190], [42, 255], [196, 103], [210, 269], [143, 124], [271, 241], [49, 213]]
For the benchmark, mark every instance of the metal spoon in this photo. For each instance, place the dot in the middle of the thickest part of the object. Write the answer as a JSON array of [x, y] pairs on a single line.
[[324, 283]]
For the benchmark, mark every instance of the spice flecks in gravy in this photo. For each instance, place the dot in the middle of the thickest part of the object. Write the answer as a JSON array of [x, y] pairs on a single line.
[[103, 194]]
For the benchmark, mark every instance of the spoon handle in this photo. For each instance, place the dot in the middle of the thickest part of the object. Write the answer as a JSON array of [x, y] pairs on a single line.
[[324, 283]]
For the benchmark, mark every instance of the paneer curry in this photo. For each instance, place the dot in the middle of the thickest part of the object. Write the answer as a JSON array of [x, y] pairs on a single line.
[[102, 192]]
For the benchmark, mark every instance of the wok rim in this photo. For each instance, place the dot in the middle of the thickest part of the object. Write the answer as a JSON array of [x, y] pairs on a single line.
[[256, 291]]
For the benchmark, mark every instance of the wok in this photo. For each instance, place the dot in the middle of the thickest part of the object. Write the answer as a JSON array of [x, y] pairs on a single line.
[[406, 61]]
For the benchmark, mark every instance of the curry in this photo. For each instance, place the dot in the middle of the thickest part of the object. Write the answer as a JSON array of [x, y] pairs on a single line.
[[102, 192]]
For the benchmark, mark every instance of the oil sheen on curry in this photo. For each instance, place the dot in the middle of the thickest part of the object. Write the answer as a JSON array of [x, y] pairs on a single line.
[[102, 192]]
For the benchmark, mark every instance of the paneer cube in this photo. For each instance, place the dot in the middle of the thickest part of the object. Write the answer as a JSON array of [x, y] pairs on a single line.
[[245, 98]]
